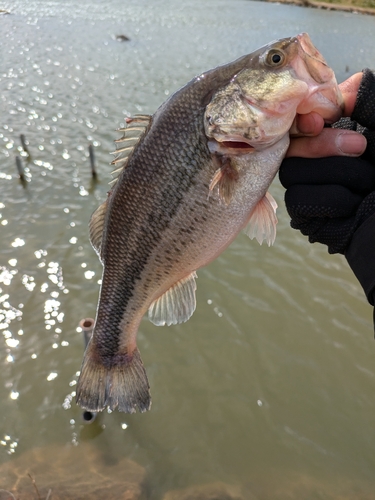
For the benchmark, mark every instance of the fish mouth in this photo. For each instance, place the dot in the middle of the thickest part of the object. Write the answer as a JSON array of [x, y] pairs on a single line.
[[236, 144], [228, 146]]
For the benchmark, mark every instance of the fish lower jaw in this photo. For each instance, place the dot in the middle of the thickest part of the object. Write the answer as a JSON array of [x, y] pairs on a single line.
[[232, 147], [237, 147]]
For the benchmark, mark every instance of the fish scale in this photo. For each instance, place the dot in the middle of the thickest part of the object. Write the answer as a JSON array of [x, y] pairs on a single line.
[[189, 179]]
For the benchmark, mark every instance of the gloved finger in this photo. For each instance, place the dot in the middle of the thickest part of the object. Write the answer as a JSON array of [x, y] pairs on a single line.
[[367, 208], [335, 233], [305, 202], [357, 174], [364, 109], [369, 154], [330, 142]]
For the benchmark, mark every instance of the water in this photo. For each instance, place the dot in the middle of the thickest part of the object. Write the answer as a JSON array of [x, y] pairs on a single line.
[[270, 385]]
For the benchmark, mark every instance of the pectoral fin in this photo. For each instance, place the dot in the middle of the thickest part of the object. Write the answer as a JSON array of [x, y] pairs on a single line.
[[176, 305], [225, 178], [263, 220]]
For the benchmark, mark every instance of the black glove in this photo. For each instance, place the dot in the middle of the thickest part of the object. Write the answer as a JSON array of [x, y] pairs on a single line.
[[332, 200]]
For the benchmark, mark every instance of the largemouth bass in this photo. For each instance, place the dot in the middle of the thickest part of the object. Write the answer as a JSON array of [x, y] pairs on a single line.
[[191, 177]]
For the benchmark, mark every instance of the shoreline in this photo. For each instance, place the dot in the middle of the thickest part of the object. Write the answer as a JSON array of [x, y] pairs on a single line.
[[327, 6]]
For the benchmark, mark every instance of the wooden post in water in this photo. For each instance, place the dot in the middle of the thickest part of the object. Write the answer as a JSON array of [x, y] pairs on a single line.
[[92, 161], [24, 144], [87, 325], [20, 169]]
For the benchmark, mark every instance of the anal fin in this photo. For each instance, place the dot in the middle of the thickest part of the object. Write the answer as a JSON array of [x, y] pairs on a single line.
[[263, 220], [176, 305]]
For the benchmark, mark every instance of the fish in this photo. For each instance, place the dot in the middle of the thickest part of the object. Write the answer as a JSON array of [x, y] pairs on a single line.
[[190, 177]]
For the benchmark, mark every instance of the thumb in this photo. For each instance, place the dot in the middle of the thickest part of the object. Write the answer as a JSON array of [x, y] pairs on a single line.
[[330, 142]]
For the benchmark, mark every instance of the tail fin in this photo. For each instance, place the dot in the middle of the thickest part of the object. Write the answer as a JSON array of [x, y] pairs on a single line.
[[123, 385]]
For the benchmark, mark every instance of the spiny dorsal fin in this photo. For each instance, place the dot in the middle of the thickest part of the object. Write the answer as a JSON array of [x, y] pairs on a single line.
[[96, 227], [263, 220], [176, 305], [135, 130]]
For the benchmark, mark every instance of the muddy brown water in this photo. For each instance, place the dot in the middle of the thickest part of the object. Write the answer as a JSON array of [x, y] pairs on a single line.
[[270, 387]]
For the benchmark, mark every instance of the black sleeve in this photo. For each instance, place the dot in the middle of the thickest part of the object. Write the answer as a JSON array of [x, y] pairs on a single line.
[[361, 256], [332, 200], [360, 252]]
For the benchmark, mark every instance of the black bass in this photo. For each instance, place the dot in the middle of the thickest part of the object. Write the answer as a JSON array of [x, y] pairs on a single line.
[[191, 177]]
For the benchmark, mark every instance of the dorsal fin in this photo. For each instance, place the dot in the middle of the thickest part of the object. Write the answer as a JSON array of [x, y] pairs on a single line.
[[135, 130], [96, 227]]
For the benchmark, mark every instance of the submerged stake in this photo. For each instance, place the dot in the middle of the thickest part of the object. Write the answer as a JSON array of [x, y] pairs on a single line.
[[89, 416], [87, 325], [92, 161], [20, 169], [24, 144]]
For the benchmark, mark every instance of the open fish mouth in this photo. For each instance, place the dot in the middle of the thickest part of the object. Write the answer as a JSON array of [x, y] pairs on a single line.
[[236, 144], [228, 146]]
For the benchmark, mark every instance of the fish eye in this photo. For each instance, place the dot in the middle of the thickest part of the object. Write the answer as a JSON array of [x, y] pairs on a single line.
[[275, 58]]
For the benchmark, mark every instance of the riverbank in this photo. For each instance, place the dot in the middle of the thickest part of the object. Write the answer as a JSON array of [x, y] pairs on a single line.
[[358, 7]]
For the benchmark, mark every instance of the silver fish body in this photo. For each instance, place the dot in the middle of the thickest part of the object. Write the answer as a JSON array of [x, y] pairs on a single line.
[[195, 175]]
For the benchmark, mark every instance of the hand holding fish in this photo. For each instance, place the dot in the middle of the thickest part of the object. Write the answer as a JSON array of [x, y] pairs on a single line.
[[312, 140], [331, 198]]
